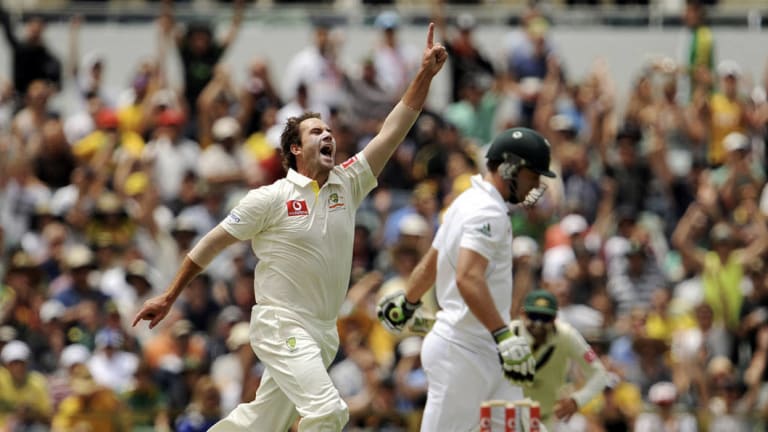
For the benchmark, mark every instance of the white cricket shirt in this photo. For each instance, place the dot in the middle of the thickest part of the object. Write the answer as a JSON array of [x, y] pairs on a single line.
[[303, 237], [477, 220]]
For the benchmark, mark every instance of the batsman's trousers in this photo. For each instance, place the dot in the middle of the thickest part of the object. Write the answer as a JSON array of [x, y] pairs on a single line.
[[459, 379]]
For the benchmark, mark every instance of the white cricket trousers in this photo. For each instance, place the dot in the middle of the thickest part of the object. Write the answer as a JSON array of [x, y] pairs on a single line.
[[296, 353], [459, 380]]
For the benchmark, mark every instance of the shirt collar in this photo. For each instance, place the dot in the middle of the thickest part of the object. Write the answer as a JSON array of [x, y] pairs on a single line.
[[479, 182], [301, 180]]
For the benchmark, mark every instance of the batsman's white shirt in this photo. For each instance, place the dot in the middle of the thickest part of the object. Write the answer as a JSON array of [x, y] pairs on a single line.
[[478, 220], [303, 237], [459, 354]]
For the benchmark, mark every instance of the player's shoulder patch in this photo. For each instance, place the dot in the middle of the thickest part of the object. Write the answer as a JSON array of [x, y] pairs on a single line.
[[347, 163]]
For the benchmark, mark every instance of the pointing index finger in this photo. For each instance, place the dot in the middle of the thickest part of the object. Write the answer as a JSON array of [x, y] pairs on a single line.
[[431, 35]]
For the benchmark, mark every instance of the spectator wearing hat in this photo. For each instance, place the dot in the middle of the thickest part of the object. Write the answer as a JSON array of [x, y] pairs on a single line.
[[110, 365], [20, 296], [24, 399], [423, 202], [238, 373], [204, 410], [663, 395], [410, 380], [562, 238], [71, 358], [108, 141], [174, 347], [220, 163], [74, 285], [722, 264], [396, 62], [723, 112], [170, 153], [90, 406]]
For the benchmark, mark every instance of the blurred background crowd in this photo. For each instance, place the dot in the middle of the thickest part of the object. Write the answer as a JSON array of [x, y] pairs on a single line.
[[653, 237]]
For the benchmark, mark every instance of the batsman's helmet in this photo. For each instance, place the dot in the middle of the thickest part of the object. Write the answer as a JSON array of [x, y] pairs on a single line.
[[522, 147]]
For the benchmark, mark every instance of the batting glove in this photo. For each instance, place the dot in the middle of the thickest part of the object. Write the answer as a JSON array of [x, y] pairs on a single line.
[[395, 310], [515, 355]]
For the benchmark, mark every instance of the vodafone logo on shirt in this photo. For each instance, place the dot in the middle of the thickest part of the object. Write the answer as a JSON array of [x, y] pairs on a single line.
[[297, 207]]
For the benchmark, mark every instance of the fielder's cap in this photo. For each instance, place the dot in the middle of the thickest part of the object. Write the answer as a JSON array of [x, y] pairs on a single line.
[[15, 351], [573, 224], [662, 392], [540, 301], [735, 141], [74, 354], [729, 68], [239, 335], [387, 20], [225, 127], [526, 144]]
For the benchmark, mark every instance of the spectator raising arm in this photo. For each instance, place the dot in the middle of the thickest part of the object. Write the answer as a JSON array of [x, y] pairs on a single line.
[[399, 121]]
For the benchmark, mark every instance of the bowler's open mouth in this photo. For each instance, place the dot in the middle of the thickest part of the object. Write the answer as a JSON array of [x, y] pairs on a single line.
[[326, 150]]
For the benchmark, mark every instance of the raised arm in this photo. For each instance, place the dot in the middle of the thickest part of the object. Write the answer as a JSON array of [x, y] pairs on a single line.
[[234, 27], [681, 238], [5, 21], [155, 309], [404, 115]]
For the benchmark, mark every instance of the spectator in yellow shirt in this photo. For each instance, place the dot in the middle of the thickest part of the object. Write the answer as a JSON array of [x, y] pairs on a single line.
[[24, 399]]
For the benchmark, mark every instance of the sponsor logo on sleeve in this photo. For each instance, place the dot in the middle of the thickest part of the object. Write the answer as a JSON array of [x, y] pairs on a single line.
[[233, 218], [297, 207], [485, 229], [590, 356], [349, 162]]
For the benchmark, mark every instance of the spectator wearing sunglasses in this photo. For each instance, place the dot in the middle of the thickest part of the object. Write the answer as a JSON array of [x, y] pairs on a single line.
[[555, 345]]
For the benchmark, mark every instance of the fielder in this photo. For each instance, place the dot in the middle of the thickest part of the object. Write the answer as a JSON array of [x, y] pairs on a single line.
[[555, 345], [470, 262], [301, 228]]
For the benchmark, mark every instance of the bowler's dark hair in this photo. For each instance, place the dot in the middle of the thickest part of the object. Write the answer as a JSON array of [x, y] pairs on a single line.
[[292, 135]]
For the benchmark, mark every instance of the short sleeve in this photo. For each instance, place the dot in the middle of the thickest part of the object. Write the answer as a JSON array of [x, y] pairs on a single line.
[[359, 175], [485, 233], [251, 215]]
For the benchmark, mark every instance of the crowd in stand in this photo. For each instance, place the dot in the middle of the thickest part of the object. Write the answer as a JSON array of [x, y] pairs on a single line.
[[653, 237]]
